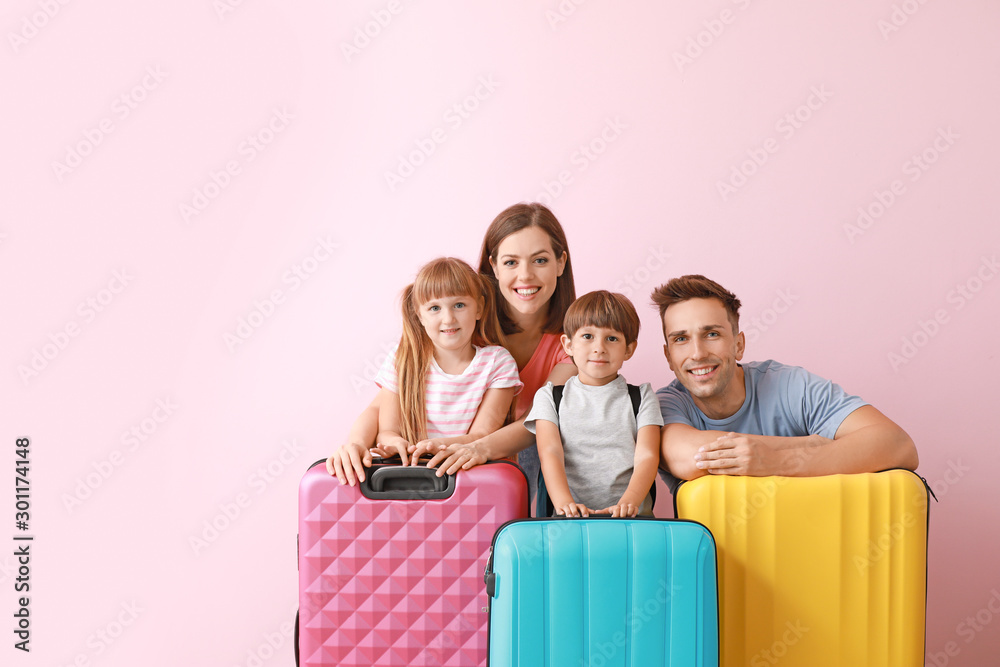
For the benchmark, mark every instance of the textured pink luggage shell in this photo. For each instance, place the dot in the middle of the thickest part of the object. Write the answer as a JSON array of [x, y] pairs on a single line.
[[400, 582]]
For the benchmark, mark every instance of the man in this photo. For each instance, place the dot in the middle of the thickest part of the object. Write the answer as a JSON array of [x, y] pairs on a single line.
[[760, 418]]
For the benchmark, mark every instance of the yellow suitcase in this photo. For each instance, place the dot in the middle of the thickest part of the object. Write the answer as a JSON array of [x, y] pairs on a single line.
[[817, 571]]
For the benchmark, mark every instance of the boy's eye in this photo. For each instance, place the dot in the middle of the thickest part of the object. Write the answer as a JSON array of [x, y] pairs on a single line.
[[612, 339], [586, 336]]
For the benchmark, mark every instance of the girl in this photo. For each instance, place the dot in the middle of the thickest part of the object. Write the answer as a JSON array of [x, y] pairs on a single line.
[[526, 259], [449, 382]]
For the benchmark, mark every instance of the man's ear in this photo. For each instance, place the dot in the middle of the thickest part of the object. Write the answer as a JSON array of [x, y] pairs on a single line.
[[630, 349], [740, 345]]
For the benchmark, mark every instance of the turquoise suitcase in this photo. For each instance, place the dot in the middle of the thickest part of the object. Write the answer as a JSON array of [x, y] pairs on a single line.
[[599, 592]]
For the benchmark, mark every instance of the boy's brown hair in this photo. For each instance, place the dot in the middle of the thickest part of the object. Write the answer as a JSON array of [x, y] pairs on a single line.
[[608, 310], [695, 286]]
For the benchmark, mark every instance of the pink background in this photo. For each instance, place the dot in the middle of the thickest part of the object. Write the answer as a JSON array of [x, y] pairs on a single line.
[[128, 303]]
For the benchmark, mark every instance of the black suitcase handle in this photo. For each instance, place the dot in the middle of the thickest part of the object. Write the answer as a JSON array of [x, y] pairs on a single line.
[[407, 483]]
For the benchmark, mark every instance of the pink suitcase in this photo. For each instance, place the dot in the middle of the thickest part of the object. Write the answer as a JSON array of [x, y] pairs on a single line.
[[391, 570]]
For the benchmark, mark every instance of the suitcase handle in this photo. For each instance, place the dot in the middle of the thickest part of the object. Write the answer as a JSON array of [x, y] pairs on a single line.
[[407, 483]]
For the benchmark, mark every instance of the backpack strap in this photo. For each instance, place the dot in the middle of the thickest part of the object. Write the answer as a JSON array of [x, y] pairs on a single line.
[[636, 396], [557, 390]]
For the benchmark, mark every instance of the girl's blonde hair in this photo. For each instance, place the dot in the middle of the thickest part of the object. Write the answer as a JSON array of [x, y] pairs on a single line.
[[440, 278]]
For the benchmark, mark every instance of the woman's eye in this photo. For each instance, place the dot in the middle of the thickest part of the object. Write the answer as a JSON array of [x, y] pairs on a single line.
[[542, 260], [508, 263]]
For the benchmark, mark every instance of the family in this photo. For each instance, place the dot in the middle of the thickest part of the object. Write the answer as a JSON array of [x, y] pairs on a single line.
[[506, 362]]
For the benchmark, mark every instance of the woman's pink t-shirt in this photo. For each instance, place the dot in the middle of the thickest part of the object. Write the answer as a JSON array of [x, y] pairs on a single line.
[[534, 374]]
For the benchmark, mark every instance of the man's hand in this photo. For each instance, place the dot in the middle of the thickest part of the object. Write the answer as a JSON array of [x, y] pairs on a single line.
[[740, 454]]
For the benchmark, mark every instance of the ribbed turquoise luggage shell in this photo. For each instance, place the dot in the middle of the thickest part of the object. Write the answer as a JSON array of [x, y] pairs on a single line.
[[603, 592]]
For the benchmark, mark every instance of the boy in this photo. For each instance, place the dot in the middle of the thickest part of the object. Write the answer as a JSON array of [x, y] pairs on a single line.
[[598, 453]]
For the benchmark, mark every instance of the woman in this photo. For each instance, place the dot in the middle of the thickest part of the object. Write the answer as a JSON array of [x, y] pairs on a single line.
[[526, 258]]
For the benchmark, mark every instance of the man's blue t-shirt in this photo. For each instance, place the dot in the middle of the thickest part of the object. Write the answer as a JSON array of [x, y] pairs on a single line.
[[781, 400]]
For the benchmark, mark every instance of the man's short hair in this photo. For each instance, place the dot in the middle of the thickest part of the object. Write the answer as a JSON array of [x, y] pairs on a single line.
[[608, 310], [695, 286]]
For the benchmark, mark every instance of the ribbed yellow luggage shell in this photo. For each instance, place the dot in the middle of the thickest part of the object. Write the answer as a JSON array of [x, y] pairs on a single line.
[[817, 570]]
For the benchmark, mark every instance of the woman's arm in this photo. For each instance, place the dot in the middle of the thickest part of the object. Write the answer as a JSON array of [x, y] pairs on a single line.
[[500, 444], [489, 417]]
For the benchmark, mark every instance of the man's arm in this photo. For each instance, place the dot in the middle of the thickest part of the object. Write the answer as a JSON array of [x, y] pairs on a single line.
[[866, 441], [679, 443]]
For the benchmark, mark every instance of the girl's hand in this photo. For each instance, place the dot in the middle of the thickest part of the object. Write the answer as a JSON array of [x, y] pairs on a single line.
[[430, 446], [573, 509], [393, 446], [349, 460], [622, 510]]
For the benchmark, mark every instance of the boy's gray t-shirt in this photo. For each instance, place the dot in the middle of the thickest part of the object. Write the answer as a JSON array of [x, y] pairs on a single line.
[[598, 433]]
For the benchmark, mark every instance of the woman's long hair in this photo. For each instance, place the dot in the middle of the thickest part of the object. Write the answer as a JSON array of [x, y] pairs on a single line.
[[440, 278], [510, 221]]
